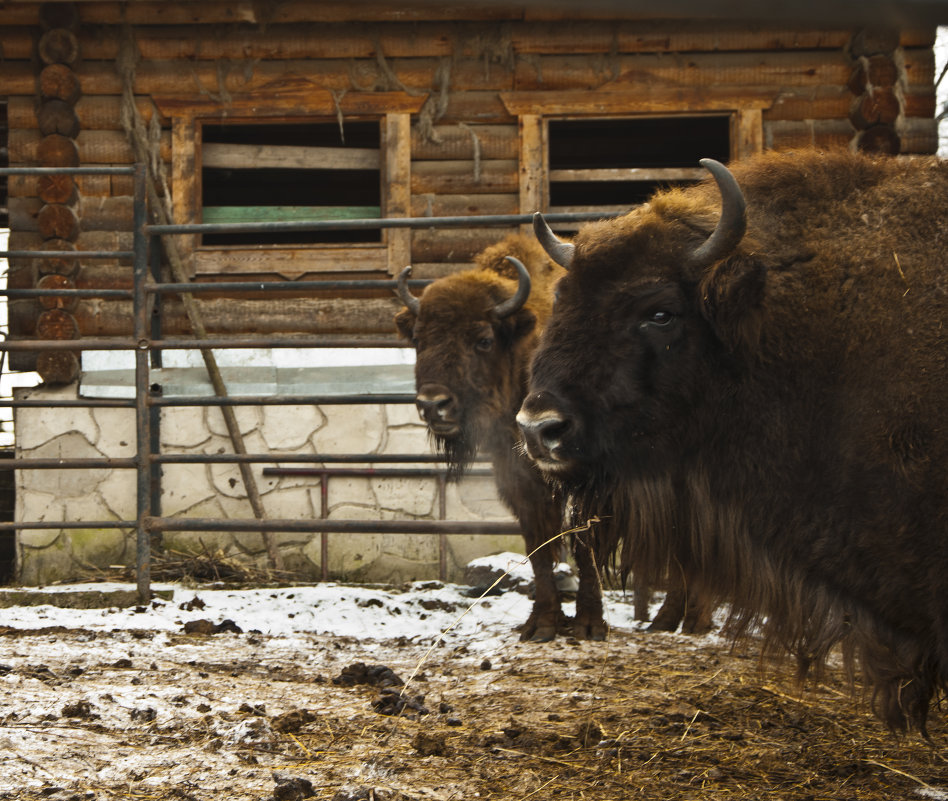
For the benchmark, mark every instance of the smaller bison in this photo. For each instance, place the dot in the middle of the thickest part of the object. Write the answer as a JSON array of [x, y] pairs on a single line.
[[474, 333]]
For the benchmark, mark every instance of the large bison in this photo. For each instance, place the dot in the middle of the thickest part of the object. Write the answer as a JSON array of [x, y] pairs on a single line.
[[474, 333], [764, 389]]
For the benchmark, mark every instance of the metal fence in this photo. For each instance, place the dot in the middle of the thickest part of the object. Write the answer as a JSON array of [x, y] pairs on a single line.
[[148, 343]]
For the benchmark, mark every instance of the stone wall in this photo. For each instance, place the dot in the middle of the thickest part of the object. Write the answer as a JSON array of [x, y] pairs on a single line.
[[216, 491]]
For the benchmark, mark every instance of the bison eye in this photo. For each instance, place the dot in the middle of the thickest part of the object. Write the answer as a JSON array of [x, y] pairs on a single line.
[[661, 318], [484, 344]]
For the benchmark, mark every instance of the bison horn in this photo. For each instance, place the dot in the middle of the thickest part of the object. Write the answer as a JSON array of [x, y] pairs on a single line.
[[413, 304], [561, 252], [733, 223], [515, 302]]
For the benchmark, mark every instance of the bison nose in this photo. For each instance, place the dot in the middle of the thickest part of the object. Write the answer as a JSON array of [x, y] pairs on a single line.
[[435, 405], [544, 429]]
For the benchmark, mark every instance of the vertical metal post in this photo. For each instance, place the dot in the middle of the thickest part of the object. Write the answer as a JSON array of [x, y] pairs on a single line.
[[142, 416], [324, 535], [442, 537]]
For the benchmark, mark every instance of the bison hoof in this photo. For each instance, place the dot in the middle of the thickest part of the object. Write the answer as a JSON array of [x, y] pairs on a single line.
[[538, 634], [596, 630]]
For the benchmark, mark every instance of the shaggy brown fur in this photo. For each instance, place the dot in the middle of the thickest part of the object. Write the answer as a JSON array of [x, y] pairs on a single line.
[[480, 363], [782, 411]]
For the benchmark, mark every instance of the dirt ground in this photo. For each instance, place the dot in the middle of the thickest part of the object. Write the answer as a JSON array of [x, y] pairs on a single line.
[[220, 714]]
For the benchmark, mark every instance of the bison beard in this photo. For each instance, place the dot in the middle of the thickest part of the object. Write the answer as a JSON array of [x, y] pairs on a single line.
[[765, 406], [458, 451]]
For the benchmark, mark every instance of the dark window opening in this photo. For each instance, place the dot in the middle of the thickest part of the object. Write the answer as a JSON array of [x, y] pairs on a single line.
[[304, 171], [621, 162]]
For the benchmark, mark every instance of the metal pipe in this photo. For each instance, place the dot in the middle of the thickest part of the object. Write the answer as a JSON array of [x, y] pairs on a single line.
[[472, 221], [333, 526], [219, 343], [143, 441]]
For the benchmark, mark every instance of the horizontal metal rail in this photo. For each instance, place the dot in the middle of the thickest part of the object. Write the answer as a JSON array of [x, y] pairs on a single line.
[[465, 221], [147, 341]]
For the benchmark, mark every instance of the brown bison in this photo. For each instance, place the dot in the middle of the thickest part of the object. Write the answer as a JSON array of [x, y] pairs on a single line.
[[763, 390], [474, 333]]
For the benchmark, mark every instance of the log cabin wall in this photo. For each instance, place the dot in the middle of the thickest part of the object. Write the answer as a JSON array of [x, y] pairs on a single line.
[[463, 97]]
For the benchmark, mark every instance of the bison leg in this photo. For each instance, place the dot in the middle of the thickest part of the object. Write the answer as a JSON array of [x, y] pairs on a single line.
[[698, 612], [641, 597], [589, 623], [672, 610], [546, 617]]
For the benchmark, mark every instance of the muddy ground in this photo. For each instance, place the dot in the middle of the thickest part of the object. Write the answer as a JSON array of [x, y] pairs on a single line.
[[222, 714]]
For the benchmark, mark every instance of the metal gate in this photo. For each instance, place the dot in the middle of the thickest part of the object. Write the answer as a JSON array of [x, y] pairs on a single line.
[[147, 343]]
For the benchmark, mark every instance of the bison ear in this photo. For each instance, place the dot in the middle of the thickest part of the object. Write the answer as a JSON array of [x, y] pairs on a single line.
[[520, 324], [731, 296], [405, 323]]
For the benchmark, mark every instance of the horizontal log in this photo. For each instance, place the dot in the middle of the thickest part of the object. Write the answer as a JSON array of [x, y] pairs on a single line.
[[879, 139], [88, 240], [808, 133], [878, 70], [57, 367], [157, 12], [461, 141], [207, 79], [919, 136], [835, 102], [57, 282], [56, 324], [59, 15], [292, 262], [58, 46], [93, 147], [490, 176], [55, 81], [807, 68], [460, 205], [100, 112], [878, 106], [287, 157], [457, 39], [56, 221], [87, 185], [57, 189], [55, 116], [55, 150], [100, 318], [629, 174]]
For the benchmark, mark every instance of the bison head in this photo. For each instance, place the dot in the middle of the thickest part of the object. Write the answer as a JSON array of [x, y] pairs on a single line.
[[473, 333], [638, 322]]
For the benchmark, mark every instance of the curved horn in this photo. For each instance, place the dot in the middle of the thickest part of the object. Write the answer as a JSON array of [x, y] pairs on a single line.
[[561, 252], [515, 302], [733, 223], [413, 304]]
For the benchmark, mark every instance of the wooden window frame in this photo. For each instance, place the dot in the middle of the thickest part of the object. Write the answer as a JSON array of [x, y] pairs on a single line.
[[393, 110], [534, 110]]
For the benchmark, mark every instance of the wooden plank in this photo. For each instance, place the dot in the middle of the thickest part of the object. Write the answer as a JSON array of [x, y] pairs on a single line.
[[289, 157], [454, 244], [288, 96], [635, 99], [432, 205], [397, 183], [808, 133], [459, 141], [490, 176], [185, 185], [629, 174], [252, 214], [290, 262], [747, 133], [533, 190]]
